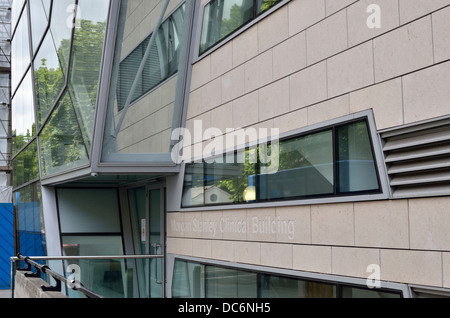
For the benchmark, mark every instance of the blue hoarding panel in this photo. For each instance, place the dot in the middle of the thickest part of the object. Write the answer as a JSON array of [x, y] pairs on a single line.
[[6, 243]]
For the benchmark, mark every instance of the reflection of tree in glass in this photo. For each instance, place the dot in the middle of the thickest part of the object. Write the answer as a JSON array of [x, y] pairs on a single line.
[[236, 185], [290, 156], [61, 141], [234, 22], [48, 83], [238, 16], [66, 138], [25, 166], [267, 4], [84, 73]]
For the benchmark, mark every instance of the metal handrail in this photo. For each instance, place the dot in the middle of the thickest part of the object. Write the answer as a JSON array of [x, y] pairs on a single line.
[[74, 285]]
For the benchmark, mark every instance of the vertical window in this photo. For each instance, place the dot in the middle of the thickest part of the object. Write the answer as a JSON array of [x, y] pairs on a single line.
[[161, 64], [223, 17], [20, 50], [23, 122], [356, 164], [305, 168]]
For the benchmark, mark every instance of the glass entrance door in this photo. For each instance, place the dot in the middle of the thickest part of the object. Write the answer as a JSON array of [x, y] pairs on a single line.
[[147, 209], [155, 240]]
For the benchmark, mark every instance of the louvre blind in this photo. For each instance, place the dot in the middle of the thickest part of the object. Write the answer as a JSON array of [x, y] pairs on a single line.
[[160, 65], [418, 159]]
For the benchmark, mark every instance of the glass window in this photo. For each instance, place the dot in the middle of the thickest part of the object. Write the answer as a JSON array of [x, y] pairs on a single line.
[[142, 132], [62, 145], [196, 280], [354, 292], [28, 202], [23, 117], [20, 48], [92, 245], [16, 9], [107, 277], [356, 164], [61, 30], [194, 190], [161, 63], [284, 287], [336, 161], [26, 166], [227, 180], [89, 211], [188, 280], [39, 22], [223, 17], [85, 64], [49, 79], [305, 169], [229, 283]]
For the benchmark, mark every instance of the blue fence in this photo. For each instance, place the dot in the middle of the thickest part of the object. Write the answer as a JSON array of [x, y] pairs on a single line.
[[6, 243]]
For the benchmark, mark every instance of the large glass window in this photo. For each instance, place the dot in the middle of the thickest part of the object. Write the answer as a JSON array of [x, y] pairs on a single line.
[[62, 145], [20, 50], [335, 161], [85, 64], [28, 202], [48, 77], [23, 117], [61, 30], [139, 123], [160, 65], [39, 22], [223, 17], [196, 280], [26, 166], [305, 169], [356, 168]]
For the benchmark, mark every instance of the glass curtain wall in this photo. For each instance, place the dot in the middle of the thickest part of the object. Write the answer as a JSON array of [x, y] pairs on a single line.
[[140, 121], [57, 50], [56, 69]]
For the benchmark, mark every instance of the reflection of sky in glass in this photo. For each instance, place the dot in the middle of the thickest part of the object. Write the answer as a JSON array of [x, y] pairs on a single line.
[[60, 30], [38, 22], [47, 52], [95, 11], [20, 51], [23, 108], [16, 6]]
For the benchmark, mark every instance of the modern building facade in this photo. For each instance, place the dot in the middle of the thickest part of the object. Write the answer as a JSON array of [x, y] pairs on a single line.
[[293, 148]]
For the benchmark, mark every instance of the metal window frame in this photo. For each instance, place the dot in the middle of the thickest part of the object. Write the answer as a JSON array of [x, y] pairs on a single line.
[[199, 24], [295, 274], [160, 164], [385, 190]]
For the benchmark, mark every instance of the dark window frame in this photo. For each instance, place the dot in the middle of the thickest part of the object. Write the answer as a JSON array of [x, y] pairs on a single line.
[[256, 14], [336, 179], [339, 286]]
